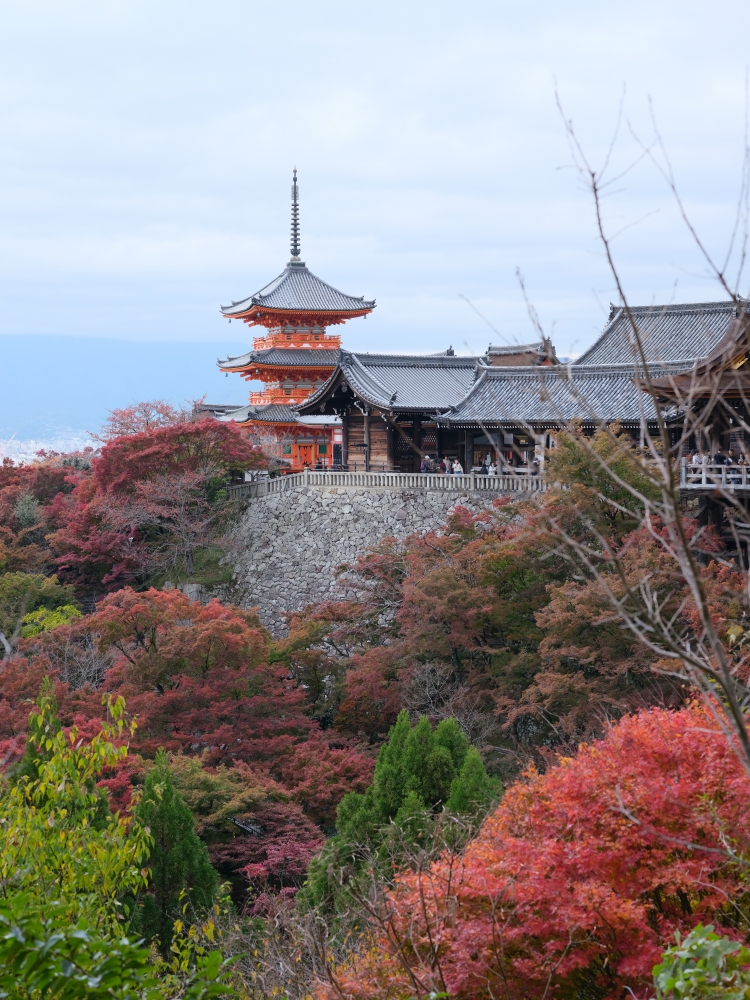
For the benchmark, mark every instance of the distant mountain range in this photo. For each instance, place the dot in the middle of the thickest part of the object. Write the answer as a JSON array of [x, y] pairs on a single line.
[[56, 389]]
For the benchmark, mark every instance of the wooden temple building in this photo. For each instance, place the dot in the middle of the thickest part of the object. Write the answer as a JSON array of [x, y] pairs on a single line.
[[293, 358], [395, 409]]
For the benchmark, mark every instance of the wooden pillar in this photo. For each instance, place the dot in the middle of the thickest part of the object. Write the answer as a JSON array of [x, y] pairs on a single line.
[[439, 441], [416, 436], [367, 440], [345, 440], [390, 438]]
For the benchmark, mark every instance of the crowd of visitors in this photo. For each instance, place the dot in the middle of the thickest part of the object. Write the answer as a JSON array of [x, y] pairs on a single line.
[[698, 460], [488, 467], [719, 458], [444, 466]]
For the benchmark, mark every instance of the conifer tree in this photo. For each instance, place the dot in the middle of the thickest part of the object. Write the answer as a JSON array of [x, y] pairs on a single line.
[[180, 869], [421, 773], [473, 788]]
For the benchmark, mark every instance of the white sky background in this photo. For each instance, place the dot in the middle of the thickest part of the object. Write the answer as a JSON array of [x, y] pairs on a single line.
[[147, 149]]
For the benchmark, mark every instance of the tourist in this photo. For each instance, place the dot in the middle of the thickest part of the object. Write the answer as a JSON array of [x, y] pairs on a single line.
[[425, 464], [458, 469], [492, 470], [319, 465], [441, 466], [697, 459], [734, 476]]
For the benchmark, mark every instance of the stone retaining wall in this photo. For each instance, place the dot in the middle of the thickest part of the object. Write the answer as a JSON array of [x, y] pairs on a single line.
[[289, 545]]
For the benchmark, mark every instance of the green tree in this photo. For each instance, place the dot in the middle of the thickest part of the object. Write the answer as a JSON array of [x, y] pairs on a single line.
[[703, 965], [42, 954], [423, 777], [44, 619], [67, 871], [22, 594], [42, 725], [602, 475], [59, 846], [41, 747], [181, 872], [473, 788]]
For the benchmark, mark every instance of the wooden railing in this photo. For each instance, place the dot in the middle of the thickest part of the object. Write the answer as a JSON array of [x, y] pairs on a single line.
[[711, 477], [469, 482]]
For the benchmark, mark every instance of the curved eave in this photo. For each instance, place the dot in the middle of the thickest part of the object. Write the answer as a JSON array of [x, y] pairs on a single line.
[[444, 420], [318, 398], [362, 382], [263, 316], [229, 368], [250, 422], [251, 370]]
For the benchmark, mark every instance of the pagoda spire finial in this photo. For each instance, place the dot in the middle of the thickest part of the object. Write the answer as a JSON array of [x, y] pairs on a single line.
[[295, 217]]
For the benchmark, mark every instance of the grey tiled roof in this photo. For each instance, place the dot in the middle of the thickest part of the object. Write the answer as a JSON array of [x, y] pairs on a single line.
[[271, 413], [298, 289], [403, 382], [214, 409], [593, 394], [300, 357], [501, 349], [669, 333]]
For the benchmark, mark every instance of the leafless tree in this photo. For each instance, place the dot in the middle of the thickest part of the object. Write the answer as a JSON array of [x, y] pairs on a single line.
[[678, 625], [434, 690]]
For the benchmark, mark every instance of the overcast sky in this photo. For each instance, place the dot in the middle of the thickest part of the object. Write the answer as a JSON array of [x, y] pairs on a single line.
[[147, 148]]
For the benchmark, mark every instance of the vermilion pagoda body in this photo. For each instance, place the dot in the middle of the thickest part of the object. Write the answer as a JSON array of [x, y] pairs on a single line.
[[294, 358]]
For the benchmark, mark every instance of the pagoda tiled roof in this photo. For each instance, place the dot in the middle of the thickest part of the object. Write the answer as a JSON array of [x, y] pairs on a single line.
[[401, 382], [549, 396], [297, 289], [271, 413], [300, 357], [668, 332]]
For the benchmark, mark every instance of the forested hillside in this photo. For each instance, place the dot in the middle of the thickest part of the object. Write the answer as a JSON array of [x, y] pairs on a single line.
[[473, 748]]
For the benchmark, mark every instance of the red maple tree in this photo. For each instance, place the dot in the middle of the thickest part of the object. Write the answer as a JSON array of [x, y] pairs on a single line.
[[144, 488]]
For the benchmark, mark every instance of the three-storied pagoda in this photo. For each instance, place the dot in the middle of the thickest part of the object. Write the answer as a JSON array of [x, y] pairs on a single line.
[[293, 359]]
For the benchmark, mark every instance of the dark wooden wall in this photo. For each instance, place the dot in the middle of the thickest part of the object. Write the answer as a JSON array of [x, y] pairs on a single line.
[[379, 440]]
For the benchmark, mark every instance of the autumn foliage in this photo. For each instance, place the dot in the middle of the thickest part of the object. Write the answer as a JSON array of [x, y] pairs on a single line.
[[580, 878], [114, 521], [486, 623], [199, 681]]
